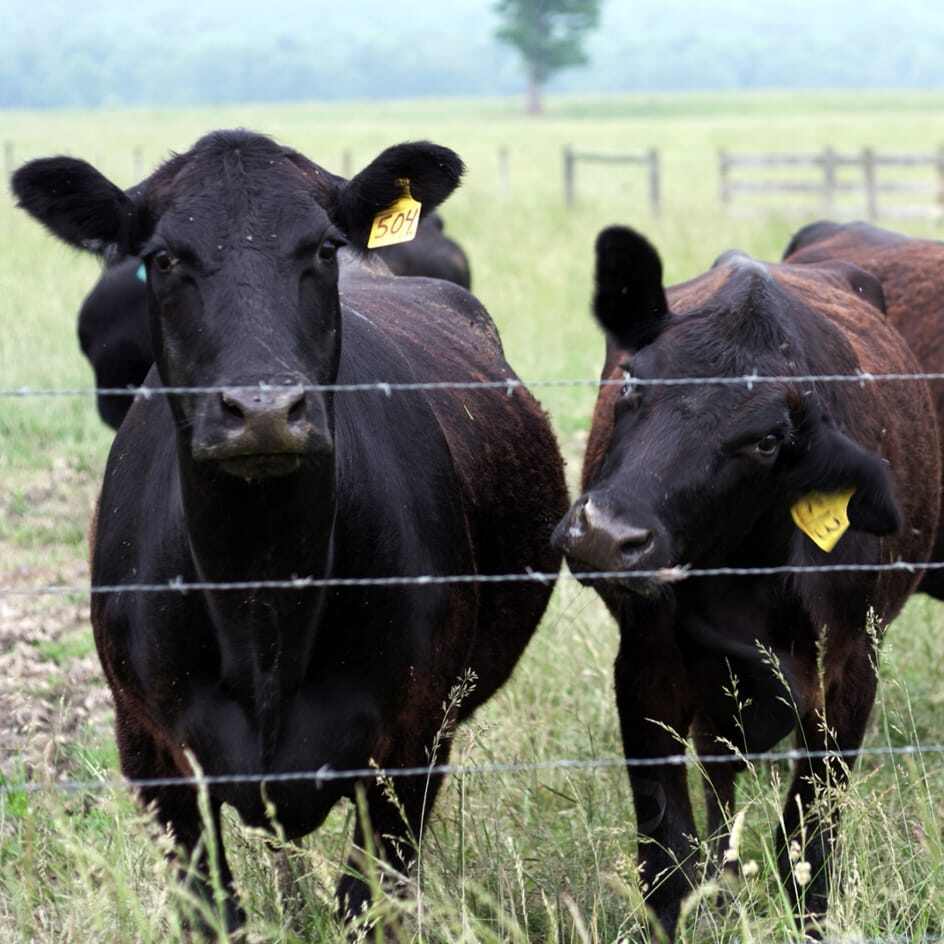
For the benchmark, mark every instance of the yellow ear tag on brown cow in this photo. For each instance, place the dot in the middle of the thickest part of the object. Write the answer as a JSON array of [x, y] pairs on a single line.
[[398, 223], [823, 517]]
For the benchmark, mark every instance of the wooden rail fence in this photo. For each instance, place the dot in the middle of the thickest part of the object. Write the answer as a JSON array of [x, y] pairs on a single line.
[[878, 195], [829, 187], [648, 159]]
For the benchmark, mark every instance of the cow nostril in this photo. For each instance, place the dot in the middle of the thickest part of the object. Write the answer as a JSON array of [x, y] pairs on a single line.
[[296, 411], [634, 540], [232, 410]]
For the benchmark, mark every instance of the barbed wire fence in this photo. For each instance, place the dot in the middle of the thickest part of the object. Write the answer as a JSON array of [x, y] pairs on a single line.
[[508, 387]]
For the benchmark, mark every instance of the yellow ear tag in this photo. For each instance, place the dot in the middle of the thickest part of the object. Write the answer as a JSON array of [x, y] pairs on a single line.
[[398, 223], [822, 517]]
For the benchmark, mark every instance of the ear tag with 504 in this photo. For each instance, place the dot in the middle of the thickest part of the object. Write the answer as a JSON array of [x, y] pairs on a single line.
[[822, 517], [398, 223]]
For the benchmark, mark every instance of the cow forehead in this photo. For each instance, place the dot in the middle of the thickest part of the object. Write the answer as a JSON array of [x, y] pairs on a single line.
[[235, 176], [745, 316], [212, 222]]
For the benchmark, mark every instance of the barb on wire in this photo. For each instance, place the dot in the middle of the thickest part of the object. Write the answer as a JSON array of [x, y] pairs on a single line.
[[664, 575], [507, 385], [327, 774]]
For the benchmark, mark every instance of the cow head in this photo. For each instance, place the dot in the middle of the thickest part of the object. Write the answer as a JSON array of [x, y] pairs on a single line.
[[240, 240], [690, 474]]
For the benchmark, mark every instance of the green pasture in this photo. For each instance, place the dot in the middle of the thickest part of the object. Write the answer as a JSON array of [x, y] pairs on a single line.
[[542, 856]]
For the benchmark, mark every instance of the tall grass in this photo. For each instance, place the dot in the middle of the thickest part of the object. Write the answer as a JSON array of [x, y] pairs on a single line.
[[541, 856]]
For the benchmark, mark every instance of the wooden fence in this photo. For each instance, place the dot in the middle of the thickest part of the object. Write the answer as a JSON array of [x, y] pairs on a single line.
[[829, 187], [649, 159], [876, 194]]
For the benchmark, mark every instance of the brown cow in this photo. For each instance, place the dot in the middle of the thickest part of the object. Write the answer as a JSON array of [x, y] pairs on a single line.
[[707, 475], [912, 273]]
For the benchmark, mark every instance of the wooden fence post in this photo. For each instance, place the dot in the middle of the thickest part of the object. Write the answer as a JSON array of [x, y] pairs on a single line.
[[8, 158], [871, 193], [724, 173], [137, 164], [568, 176], [346, 162], [655, 184], [504, 180], [829, 180]]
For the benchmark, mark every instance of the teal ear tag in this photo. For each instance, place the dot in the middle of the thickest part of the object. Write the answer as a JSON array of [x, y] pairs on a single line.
[[141, 273]]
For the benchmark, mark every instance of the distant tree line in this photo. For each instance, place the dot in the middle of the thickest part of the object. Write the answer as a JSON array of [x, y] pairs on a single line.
[[218, 51]]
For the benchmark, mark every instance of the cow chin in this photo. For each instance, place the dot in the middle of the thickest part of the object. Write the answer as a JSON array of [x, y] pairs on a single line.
[[267, 460], [646, 587], [255, 468]]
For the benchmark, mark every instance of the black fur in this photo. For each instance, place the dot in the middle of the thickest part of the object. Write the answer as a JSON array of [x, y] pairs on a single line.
[[629, 301], [433, 173], [115, 336], [79, 205], [76, 203], [705, 475], [246, 287], [828, 461]]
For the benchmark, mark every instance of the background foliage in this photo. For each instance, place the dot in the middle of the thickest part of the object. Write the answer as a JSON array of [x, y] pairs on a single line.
[[166, 51]]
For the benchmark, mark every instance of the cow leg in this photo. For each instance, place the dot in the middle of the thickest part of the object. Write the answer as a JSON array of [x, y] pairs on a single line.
[[395, 830], [651, 686], [177, 810], [805, 822]]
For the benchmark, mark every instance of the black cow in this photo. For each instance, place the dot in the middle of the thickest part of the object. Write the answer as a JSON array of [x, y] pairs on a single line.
[[431, 254], [706, 475], [113, 321], [241, 240], [115, 336]]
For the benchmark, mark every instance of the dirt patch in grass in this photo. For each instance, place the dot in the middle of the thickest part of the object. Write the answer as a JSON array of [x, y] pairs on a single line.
[[53, 699]]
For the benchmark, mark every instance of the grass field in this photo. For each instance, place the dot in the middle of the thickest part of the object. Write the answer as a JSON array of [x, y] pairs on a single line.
[[545, 856]]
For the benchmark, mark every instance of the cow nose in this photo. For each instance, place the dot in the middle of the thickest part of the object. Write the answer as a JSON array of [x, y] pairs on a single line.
[[596, 539], [257, 410], [265, 421]]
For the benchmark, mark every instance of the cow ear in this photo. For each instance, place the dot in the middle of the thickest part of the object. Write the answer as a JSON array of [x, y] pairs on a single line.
[[629, 301], [432, 172], [834, 463], [77, 204], [862, 284]]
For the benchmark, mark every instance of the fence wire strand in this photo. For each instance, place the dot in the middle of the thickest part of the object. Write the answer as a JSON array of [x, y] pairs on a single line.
[[664, 575], [326, 774], [509, 386]]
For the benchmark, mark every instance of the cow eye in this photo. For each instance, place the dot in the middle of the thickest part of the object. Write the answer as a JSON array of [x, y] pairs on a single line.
[[768, 446], [328, 249], [163, 261]]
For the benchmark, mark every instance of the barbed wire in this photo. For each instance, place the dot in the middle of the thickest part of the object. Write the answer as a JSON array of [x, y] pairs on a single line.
[[326, 774], [509, 386], [665, 575]]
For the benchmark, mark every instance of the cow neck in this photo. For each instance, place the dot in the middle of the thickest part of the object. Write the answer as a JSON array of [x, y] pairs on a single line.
[[270, 530]]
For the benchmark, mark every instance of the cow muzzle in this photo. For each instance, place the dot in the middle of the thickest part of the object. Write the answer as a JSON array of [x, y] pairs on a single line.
[[597, 540], [259, 433]]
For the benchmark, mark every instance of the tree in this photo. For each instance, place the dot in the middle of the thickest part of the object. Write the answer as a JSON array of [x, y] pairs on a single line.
[[549, 36]]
